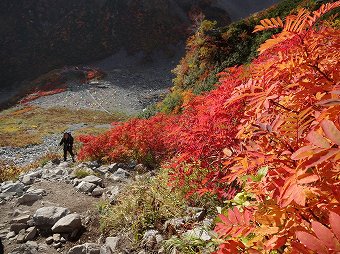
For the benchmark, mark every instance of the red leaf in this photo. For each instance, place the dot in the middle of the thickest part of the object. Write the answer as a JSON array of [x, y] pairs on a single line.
[[307, 178], [334, 221], [324, 234], [311, 242]]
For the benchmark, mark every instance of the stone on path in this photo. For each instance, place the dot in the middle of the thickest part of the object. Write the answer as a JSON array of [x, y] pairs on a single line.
[[120, 175], [17, 227], [17, 188], [30, 234], [85, 187], [92, 179], [46, 217], [67, 224], [97, 192], [28, 198], [21, 219]]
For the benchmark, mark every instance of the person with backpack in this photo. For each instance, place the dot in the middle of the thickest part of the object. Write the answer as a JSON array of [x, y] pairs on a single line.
[[67, 140]]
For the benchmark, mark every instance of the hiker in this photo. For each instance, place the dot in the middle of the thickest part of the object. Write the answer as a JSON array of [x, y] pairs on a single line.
[[67, 140]]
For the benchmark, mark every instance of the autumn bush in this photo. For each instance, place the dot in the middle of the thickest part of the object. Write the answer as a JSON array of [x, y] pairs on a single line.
[[265, 142], [287, 157]]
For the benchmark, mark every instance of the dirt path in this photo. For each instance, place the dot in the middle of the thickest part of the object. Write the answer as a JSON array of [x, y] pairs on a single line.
[[59, 194]]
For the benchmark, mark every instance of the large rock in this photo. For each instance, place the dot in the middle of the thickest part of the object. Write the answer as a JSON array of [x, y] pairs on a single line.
[[46, 217], [21, 219], [120, 175], [86, 248], [17, 227], [85, 187], [28, 198], [30, 234], [111, 245], [93, 179], [40, 192], [17, 188], [67, 224], [97, 192], [29, 178]]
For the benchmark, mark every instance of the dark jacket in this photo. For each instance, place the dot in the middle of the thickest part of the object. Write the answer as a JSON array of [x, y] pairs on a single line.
[[68, 142]]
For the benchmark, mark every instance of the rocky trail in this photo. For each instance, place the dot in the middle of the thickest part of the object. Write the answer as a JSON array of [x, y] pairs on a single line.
[[51, 210]]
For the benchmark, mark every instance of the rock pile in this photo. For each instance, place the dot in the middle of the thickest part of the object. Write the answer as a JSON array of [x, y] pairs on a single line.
[[57, 223]]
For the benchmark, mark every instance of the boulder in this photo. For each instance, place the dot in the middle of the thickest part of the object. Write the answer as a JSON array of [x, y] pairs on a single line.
[[85, 187], [56, 238], [27, 180], [10, 235], [28, 198], [92, 164], [86, 248], [101, 170], [30, 234], [17, 227], [93, 179], [49, 240], [17, 188], [46, 217], [21, 219], [40, 192], [113, 167], [21, 236], [67, 224], [97, 192], [111, 245], [119, 175]]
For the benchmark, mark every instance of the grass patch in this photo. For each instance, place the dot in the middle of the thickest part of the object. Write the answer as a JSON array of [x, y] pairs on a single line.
[[28, 125], [81, 173], [142, 205], [10, 171]]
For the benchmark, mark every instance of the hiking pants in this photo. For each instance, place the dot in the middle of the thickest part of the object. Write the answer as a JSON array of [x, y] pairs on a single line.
[[68, 149]]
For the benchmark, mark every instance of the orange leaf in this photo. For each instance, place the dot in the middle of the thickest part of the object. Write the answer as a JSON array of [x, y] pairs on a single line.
[[331, 131], [317, 139]]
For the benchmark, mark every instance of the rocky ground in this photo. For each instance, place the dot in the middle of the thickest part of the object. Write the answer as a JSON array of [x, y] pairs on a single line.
[[50, 210], [131, 84]]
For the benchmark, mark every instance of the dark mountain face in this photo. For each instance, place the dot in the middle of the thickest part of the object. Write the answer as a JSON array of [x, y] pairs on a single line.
[[238, 9], [39, 35]]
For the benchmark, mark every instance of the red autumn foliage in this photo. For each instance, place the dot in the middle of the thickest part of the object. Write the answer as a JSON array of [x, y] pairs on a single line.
[[38, 94], [270, 133]]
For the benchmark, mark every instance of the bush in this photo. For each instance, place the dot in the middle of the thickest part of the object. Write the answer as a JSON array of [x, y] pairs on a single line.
[[81, 173], [144, 204]]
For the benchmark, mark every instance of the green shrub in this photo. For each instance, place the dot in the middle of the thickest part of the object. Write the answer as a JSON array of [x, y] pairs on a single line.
[[81, 173], [141, 205]]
